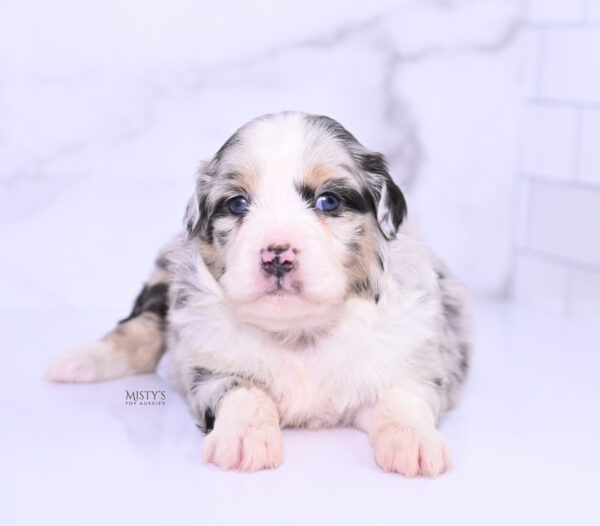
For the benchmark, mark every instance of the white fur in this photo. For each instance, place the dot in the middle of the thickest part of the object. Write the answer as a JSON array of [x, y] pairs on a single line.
[[89, 363], [247, 435]]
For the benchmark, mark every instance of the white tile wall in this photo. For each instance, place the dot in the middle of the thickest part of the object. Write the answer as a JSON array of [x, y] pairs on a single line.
[[555, 10], [569, 66], [564, 221], [544, 125], [592, 10], [557, 235], [584, 291], [523, 199], [531, 41], [590, 146]]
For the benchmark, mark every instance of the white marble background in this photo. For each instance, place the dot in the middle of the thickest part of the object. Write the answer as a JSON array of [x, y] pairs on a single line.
[[106, 109]]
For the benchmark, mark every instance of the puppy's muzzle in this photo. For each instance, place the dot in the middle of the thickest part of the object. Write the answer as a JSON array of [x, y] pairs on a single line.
[[277, 260]]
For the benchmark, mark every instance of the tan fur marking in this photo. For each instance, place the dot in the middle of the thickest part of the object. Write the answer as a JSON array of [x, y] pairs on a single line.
[[141, 340], [211, 259], [317, 175]]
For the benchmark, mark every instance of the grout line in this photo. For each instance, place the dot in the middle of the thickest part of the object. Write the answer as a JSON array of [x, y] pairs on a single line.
[[585, 9], [520, 224], [528, 213], [570, 184], [560, 260], [562, 103], [526, 11], [567, 299], [576, 168], [539, 61], [575, 24], [523, 213]]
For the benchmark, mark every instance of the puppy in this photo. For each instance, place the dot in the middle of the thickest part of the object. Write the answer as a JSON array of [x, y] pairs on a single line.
[[299, 295]]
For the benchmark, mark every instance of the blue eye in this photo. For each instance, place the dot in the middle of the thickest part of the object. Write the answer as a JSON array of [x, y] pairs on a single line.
[[327, 202], [238, 205]]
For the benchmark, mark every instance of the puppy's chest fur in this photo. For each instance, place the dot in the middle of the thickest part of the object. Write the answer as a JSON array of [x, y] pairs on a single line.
[[322, 383]]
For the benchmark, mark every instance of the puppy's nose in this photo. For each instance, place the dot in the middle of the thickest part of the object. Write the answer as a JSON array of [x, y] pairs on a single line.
[[278, 259]]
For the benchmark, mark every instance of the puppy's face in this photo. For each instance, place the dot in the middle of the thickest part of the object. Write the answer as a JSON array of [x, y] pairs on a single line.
[[292, 216]]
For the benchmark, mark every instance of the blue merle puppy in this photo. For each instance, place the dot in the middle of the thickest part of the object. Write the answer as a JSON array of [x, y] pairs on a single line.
[[298, 295]]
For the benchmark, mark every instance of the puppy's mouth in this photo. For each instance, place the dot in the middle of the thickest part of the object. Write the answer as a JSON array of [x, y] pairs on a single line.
[[284, 288]]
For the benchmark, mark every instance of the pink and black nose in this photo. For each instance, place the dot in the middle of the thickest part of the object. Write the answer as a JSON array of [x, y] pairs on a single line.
[[278, 259]]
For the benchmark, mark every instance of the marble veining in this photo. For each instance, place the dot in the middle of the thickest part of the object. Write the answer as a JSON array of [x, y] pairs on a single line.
[[100, 142]]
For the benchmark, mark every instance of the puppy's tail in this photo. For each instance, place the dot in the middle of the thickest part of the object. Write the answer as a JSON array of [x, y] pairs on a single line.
[[134, 346]]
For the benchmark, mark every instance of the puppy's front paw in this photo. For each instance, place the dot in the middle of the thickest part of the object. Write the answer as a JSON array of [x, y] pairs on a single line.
[[244, 447], [411, 451]]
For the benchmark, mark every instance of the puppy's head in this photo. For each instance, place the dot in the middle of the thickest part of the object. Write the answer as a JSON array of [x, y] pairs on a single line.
[[292, 216]]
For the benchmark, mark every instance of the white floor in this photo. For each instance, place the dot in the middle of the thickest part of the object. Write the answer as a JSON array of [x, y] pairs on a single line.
[[526, 442]]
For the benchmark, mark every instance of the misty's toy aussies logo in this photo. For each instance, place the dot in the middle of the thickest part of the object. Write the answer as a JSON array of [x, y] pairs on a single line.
[[145, 397]]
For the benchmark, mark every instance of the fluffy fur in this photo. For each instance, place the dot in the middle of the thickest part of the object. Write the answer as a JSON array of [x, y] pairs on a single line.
[[288, 314]]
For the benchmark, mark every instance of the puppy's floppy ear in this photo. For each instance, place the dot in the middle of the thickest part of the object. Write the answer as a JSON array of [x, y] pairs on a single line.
[[200, 208], [390, 204], [191, 219]]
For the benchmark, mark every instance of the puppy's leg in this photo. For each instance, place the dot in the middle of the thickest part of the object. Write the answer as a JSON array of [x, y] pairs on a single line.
[[402, 429], [241, 421], [134, 346]]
